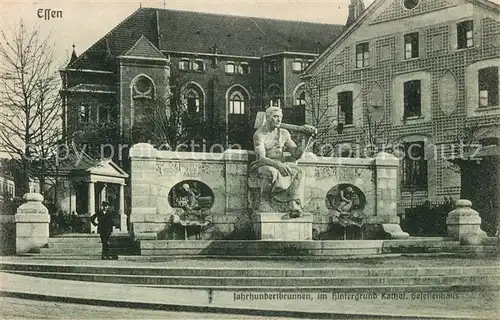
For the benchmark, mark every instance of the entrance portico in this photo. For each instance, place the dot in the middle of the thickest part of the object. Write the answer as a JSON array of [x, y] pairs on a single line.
[[105, 181]]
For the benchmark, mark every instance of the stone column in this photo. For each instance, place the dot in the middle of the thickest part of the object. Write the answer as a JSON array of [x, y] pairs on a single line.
[[32, 224], [121, 209], [103, 196], [91, 206], [464, 224]]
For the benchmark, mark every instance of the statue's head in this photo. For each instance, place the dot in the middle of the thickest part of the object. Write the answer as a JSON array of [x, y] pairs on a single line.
[[274, 115]]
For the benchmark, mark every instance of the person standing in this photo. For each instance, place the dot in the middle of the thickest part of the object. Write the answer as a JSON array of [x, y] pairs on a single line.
[[104, 225]]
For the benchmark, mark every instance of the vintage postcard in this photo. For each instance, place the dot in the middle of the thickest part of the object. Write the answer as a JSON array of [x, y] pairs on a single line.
[[237, 159]]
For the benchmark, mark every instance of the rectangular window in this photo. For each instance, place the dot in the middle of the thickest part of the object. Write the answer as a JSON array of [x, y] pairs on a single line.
[[411, 45], [297, 65], [488, 86], [184, 65], [362, 55], [465, 34], [345, 106], [412, 99], [414, 167], [230, 68]]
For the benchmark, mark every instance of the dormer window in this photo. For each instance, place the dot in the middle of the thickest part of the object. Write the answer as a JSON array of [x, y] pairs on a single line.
[[184, 64], [230, 68]]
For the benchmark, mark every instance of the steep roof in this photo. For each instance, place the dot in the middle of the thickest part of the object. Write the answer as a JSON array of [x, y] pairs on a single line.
[[185, 31], [144, 48]]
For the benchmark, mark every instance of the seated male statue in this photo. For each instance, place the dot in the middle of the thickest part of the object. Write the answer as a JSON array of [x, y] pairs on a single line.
[[281, 177]]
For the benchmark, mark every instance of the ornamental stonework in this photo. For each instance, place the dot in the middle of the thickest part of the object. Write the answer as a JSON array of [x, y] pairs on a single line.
[[194, 169], [342, 173]]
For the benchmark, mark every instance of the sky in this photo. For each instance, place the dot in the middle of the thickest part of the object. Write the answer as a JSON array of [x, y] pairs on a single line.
[[84, 22]]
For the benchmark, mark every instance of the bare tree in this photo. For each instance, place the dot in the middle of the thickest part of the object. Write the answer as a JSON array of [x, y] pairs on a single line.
[[318, 111], [376, 132], [30, 103], [167, 120]]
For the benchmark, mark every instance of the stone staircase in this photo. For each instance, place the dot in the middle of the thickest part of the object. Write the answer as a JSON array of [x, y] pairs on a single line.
[[88, 246], [312, 249], [358, 279]]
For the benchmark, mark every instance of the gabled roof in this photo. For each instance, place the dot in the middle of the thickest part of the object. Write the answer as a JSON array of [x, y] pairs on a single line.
[[184, 31], [144, 48], [101, 168], [375, 4]]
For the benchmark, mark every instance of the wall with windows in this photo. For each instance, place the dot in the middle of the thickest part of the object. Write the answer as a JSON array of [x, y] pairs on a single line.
[[431, 63], [141, 83], [213, 75]]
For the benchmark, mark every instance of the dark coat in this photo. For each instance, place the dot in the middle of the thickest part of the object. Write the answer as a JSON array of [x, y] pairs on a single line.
[[104, 222]]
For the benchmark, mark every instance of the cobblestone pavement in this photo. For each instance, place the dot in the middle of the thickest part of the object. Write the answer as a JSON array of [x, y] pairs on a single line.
[[13, 308]]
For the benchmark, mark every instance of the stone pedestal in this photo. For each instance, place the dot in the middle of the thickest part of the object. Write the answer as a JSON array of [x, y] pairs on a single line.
[[32, 224], [279, 226], [464, 224]]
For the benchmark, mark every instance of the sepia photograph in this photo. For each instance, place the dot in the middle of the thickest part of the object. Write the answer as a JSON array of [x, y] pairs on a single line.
[[250, 159]]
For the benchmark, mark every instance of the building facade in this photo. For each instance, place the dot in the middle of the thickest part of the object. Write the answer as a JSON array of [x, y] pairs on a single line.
[[420, 76], [224, 69]]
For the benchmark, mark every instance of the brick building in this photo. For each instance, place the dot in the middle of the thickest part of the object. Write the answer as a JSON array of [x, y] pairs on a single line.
[[425, 73], [229, 67]]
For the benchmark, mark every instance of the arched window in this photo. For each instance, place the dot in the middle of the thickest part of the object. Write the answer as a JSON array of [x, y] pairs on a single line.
[[194, 101], [300, 99], [297, 113], [236, 103]]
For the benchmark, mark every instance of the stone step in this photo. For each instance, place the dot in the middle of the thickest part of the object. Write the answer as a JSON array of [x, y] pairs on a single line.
[[254, 272], [270, 281], [74, 241], [84, 250], [62, 245], [300, 248]]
